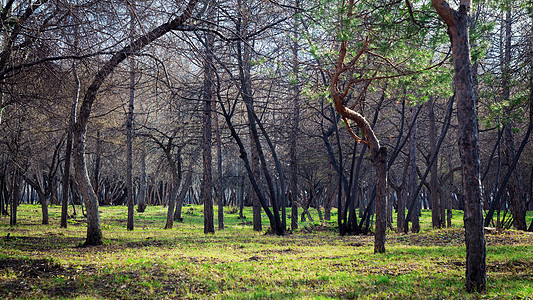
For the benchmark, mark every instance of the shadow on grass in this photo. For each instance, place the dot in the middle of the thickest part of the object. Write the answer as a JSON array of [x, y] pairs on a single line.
[[22, 278]]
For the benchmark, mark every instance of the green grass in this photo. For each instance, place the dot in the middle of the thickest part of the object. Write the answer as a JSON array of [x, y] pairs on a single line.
[[40, 261]]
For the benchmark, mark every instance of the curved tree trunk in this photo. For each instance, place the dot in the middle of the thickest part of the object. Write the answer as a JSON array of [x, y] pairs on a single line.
[[379, 155], [94, 232]]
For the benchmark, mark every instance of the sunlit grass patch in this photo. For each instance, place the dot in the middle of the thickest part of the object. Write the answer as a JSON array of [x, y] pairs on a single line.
[[40, 261]]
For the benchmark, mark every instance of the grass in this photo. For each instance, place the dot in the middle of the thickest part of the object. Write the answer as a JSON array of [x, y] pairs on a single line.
[[40, 261]]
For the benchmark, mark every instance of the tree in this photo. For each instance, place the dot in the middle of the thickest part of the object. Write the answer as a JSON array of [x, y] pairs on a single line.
[[437, 207], [44, 184], [207, 98], [129, 126], [94, 232], [295, 121], [458, 29], [379, 153], [411, 181], [244, 58]]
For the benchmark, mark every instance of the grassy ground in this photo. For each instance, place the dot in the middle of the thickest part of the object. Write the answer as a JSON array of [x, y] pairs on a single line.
[[39, 261]]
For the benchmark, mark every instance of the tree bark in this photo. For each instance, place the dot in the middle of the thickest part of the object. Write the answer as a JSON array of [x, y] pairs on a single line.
[[129, 126], [183, 193], [141, 198], [295, 120], [457, 22], [380, 164], [220, 179], [207, 184], [411, 181], [3, 188], [15, 197], [129, 150], [97, 163], [436, 206]]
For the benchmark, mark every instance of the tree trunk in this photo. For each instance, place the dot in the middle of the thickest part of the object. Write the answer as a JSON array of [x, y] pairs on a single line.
[[207, 184], [175, 168], [3, 201], [275, 222], [141, 198], [330, 194], [379, 154], [129, 130], [380, 164], [295, 120], [66, 167], [15, 197], [241, 198], [183, 193], [434, 184], [220, 181], [458, 30], [97, 163], [517, 203], [44, 207], [244, 57], [256, 208], [411, 182], [531, 106], [70, 128], [171, 205]]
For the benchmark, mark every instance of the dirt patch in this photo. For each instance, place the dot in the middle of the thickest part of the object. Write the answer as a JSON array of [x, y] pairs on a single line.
[[318, 228], [28, 268], [456, 237], [280, 251], [450, 237], [246, 223], [48, 241], [511, 266], [506, 238], [452, 264], [21, 278]]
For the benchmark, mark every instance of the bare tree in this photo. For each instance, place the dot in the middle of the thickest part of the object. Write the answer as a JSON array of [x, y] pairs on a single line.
[[94, 232]]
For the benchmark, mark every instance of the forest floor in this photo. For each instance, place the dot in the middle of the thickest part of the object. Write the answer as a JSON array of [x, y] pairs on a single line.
[[45, 261]]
